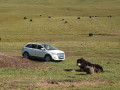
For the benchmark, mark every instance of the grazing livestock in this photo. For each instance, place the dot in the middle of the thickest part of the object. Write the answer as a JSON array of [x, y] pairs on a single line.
[[31, 20], [49, 16], [90, 34], [78, 18], [25, 17], [66, 22], [90, 16], [109, 16]]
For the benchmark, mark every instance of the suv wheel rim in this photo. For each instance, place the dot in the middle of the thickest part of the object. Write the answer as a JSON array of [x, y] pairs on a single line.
[[26, 55], [47, 58]]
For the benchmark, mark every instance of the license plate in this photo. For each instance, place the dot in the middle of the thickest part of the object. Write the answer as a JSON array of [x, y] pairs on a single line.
[[61, 57]]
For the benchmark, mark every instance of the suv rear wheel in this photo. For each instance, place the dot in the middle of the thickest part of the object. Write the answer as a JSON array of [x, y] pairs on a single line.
[[26, 55], [48, 58]]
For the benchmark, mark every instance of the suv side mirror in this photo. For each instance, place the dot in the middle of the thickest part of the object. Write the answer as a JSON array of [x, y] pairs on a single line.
[[43, 49]]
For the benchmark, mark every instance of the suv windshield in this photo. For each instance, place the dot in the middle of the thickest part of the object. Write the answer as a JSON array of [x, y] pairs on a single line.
[[48, 47]]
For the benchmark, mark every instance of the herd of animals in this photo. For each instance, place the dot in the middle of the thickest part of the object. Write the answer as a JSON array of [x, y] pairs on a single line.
[[67, 21]]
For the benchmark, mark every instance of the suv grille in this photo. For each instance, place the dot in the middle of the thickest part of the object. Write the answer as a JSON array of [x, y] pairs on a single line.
[[61, 55]]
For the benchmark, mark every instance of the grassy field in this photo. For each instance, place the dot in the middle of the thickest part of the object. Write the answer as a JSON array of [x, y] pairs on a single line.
[[102, 48]]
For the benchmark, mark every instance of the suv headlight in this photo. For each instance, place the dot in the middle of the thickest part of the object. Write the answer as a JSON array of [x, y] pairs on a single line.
[[54, 53]]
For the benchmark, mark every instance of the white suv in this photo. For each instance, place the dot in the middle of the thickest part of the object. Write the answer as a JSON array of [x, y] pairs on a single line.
[[45, 51]]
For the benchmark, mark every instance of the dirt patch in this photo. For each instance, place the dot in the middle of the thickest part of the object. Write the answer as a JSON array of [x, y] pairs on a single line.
[[43, 83], [84, 83], [20, 62], [70, 54], [10, 51], [48, 84]]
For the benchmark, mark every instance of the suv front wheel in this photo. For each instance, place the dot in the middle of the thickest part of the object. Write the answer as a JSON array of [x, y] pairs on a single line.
[[26, 55], [48, 58]]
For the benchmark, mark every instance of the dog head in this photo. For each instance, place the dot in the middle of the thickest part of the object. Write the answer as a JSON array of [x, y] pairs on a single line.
[[80, 61]]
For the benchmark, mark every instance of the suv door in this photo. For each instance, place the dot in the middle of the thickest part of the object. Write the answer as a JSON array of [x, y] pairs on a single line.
[[32, 50], [40, 52]]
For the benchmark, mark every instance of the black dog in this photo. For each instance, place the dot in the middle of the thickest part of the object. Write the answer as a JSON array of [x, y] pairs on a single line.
[[84, 65]]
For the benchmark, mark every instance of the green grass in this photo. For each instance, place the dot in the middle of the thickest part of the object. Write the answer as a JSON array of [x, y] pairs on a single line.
[[72, 37], [21, 78]]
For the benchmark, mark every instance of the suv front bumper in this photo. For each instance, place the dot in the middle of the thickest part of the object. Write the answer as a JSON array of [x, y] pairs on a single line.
[[58, 57]]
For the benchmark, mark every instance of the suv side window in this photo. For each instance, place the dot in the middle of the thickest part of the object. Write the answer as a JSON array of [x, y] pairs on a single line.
[[29, 45], [34, 46], [39, 47]]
